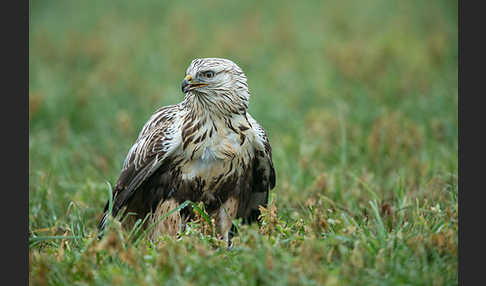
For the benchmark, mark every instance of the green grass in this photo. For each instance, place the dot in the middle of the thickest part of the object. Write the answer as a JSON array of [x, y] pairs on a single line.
[[359, 99]]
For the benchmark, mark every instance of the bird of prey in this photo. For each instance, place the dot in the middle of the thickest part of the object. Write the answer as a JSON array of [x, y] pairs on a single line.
[[207, 148]]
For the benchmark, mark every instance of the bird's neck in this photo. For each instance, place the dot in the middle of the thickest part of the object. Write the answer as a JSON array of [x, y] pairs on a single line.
[[216, 106], [204, 119]]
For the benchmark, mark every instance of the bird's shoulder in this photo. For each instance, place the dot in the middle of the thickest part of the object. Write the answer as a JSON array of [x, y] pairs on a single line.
[[156, 138], [163, 118], [263, 156], [260, 137]]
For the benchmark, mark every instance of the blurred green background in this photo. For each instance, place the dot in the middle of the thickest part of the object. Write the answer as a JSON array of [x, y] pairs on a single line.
[[359, 99]]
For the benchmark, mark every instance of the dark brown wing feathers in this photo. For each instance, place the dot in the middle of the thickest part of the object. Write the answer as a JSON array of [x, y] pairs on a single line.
[[156, 176]]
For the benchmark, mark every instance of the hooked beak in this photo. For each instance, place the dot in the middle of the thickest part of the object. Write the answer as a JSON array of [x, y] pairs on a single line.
[[188, 84]]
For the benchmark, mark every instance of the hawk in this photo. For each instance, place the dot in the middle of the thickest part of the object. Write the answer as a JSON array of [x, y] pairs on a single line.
[[207, 148]]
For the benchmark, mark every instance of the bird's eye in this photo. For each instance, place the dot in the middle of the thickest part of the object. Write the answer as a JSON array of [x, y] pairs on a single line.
[[208, 74]]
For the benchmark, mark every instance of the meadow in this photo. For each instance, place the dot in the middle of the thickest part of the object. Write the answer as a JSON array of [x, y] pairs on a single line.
[[360, 103]]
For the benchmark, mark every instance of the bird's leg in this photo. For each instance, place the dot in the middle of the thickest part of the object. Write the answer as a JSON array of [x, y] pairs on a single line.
[[224, 218], [170, 225]]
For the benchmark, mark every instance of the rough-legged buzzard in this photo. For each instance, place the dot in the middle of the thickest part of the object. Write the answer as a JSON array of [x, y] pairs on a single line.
[[207, 148]]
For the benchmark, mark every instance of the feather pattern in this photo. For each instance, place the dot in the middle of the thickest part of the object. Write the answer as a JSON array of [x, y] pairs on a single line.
[[207, 148]]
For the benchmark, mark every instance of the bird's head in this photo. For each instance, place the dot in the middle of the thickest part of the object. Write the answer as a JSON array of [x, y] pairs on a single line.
[[217, 82]]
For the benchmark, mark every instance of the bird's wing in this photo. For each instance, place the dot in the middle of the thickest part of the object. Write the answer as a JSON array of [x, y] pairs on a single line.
[[263, 172], [156, 141]]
